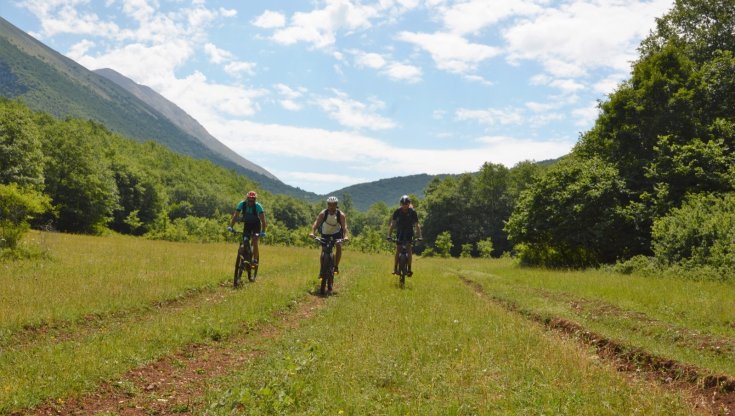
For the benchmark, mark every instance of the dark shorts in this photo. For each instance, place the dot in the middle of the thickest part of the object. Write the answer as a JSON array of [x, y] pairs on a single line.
[[252, 228], [404, 236], [336, 236]]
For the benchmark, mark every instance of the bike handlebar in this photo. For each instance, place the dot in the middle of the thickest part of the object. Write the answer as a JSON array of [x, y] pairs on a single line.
[[337, 241]]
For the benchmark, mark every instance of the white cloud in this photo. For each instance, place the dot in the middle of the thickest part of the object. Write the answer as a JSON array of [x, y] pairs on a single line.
[[586, 116], [354, 114], [290, 96], [319, 27], [215, 54], [581, 35], [451, 52], [394, 70], [237, 68], [270, 20], [491, 116], [367, 154], [473, 15], [397, 71], [610, 83], [320, 178], [370, 60]]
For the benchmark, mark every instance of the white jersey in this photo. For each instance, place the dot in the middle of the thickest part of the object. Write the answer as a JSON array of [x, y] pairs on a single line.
[[331, 223]]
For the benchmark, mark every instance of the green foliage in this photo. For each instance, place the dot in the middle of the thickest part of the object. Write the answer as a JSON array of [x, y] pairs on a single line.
[[466, 251], [572, 216], [444, 244], [371, 240], [485, 248], [475, 207], [21, 158], [700, 234], [77, 176], [17, 207]]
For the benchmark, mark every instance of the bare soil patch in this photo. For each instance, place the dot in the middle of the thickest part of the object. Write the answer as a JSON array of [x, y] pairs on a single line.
[[711, 393], [175, 384]]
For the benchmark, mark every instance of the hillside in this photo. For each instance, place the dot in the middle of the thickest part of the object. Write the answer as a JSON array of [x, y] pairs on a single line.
[[48, 81], [387, 190]]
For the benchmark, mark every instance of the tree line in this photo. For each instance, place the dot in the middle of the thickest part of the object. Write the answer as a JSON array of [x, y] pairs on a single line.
[[649, 187]]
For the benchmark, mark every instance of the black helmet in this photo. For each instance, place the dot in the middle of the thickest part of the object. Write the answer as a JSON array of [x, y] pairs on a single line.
[[405, 200]]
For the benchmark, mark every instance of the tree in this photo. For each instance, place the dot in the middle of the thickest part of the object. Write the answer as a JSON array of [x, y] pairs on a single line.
[[21, 157], [573, 216], [17, 207], [78, 177]]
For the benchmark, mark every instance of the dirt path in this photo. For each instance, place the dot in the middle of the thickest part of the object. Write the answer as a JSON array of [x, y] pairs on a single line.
[[175, 384], [714, 394]]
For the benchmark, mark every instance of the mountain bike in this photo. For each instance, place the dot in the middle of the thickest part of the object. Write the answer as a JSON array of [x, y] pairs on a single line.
[[403, 259], [244, 261], [326, 264]]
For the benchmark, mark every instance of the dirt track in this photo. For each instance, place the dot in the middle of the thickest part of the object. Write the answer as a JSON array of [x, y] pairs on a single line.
[[175, 384], [714, 394]]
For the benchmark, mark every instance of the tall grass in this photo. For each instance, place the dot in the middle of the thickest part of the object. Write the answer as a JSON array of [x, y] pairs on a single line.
[[676, 318], [432, 348], [50, 366]]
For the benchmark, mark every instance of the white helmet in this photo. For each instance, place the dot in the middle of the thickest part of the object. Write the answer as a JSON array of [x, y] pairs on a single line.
[[332, 200]]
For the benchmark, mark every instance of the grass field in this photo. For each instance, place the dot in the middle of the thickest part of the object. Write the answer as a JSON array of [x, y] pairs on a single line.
[[100, 307]]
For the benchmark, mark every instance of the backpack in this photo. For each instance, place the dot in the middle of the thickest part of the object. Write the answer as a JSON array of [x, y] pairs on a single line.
[[324, 219]]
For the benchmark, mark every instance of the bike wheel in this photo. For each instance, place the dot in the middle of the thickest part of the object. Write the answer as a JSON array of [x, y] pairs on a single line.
[[239, 265], [403, 269], [324, 275], [249, 262]]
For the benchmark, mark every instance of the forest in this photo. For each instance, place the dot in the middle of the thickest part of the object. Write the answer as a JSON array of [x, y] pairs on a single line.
[[650, 188]]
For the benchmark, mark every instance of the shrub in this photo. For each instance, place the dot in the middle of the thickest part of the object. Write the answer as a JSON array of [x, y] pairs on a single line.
[[443, 244], [699, 234], [17, 207], [485, 247]]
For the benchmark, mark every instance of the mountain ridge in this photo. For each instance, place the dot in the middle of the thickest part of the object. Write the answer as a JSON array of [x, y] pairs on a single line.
[[50, 82]]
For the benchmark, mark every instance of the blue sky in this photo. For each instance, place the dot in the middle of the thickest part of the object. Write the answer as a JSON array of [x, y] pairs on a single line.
[[329, 93]]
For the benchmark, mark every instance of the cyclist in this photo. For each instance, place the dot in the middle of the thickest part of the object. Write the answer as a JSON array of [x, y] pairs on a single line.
[[332, 223], [254, 218], [404, 220]]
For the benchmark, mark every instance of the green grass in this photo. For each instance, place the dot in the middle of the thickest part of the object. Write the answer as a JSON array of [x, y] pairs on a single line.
[[679, 319], [82, 354], [101, 306], [433, 348]]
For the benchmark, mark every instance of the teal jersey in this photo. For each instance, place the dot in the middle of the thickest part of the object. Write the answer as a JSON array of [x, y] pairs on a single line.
[[249, 212]]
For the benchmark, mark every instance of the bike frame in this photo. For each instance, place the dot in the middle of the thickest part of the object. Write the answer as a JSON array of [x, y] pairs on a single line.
[[326, 263], [403, 259], [244, 260]]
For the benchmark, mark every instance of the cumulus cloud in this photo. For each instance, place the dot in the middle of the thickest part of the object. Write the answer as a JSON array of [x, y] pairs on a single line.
[[491, 116], [451, 52], [582, 35], [216, 55], [396, 71], [270, 20], [319, 27], [354, 114]]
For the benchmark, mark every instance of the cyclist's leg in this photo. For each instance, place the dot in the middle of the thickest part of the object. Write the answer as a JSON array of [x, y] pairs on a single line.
[[254, 229], [338, 252]]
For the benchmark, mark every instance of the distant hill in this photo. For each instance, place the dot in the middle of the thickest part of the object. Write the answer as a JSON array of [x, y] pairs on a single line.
[[386, 190], [48, 81]]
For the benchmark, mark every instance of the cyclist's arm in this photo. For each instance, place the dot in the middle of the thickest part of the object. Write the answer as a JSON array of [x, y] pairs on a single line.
[[263, 224], [418, 230], [316, 222], [390, 227], [234, 218], [343, 220]]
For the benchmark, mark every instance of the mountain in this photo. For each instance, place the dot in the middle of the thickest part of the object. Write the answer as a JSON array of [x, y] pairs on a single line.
[[387, 190], [48, 81], [179, 118]]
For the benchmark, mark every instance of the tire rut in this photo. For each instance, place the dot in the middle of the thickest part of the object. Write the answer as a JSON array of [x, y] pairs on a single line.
[[62, 331], [714, 394], [172, 384]]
